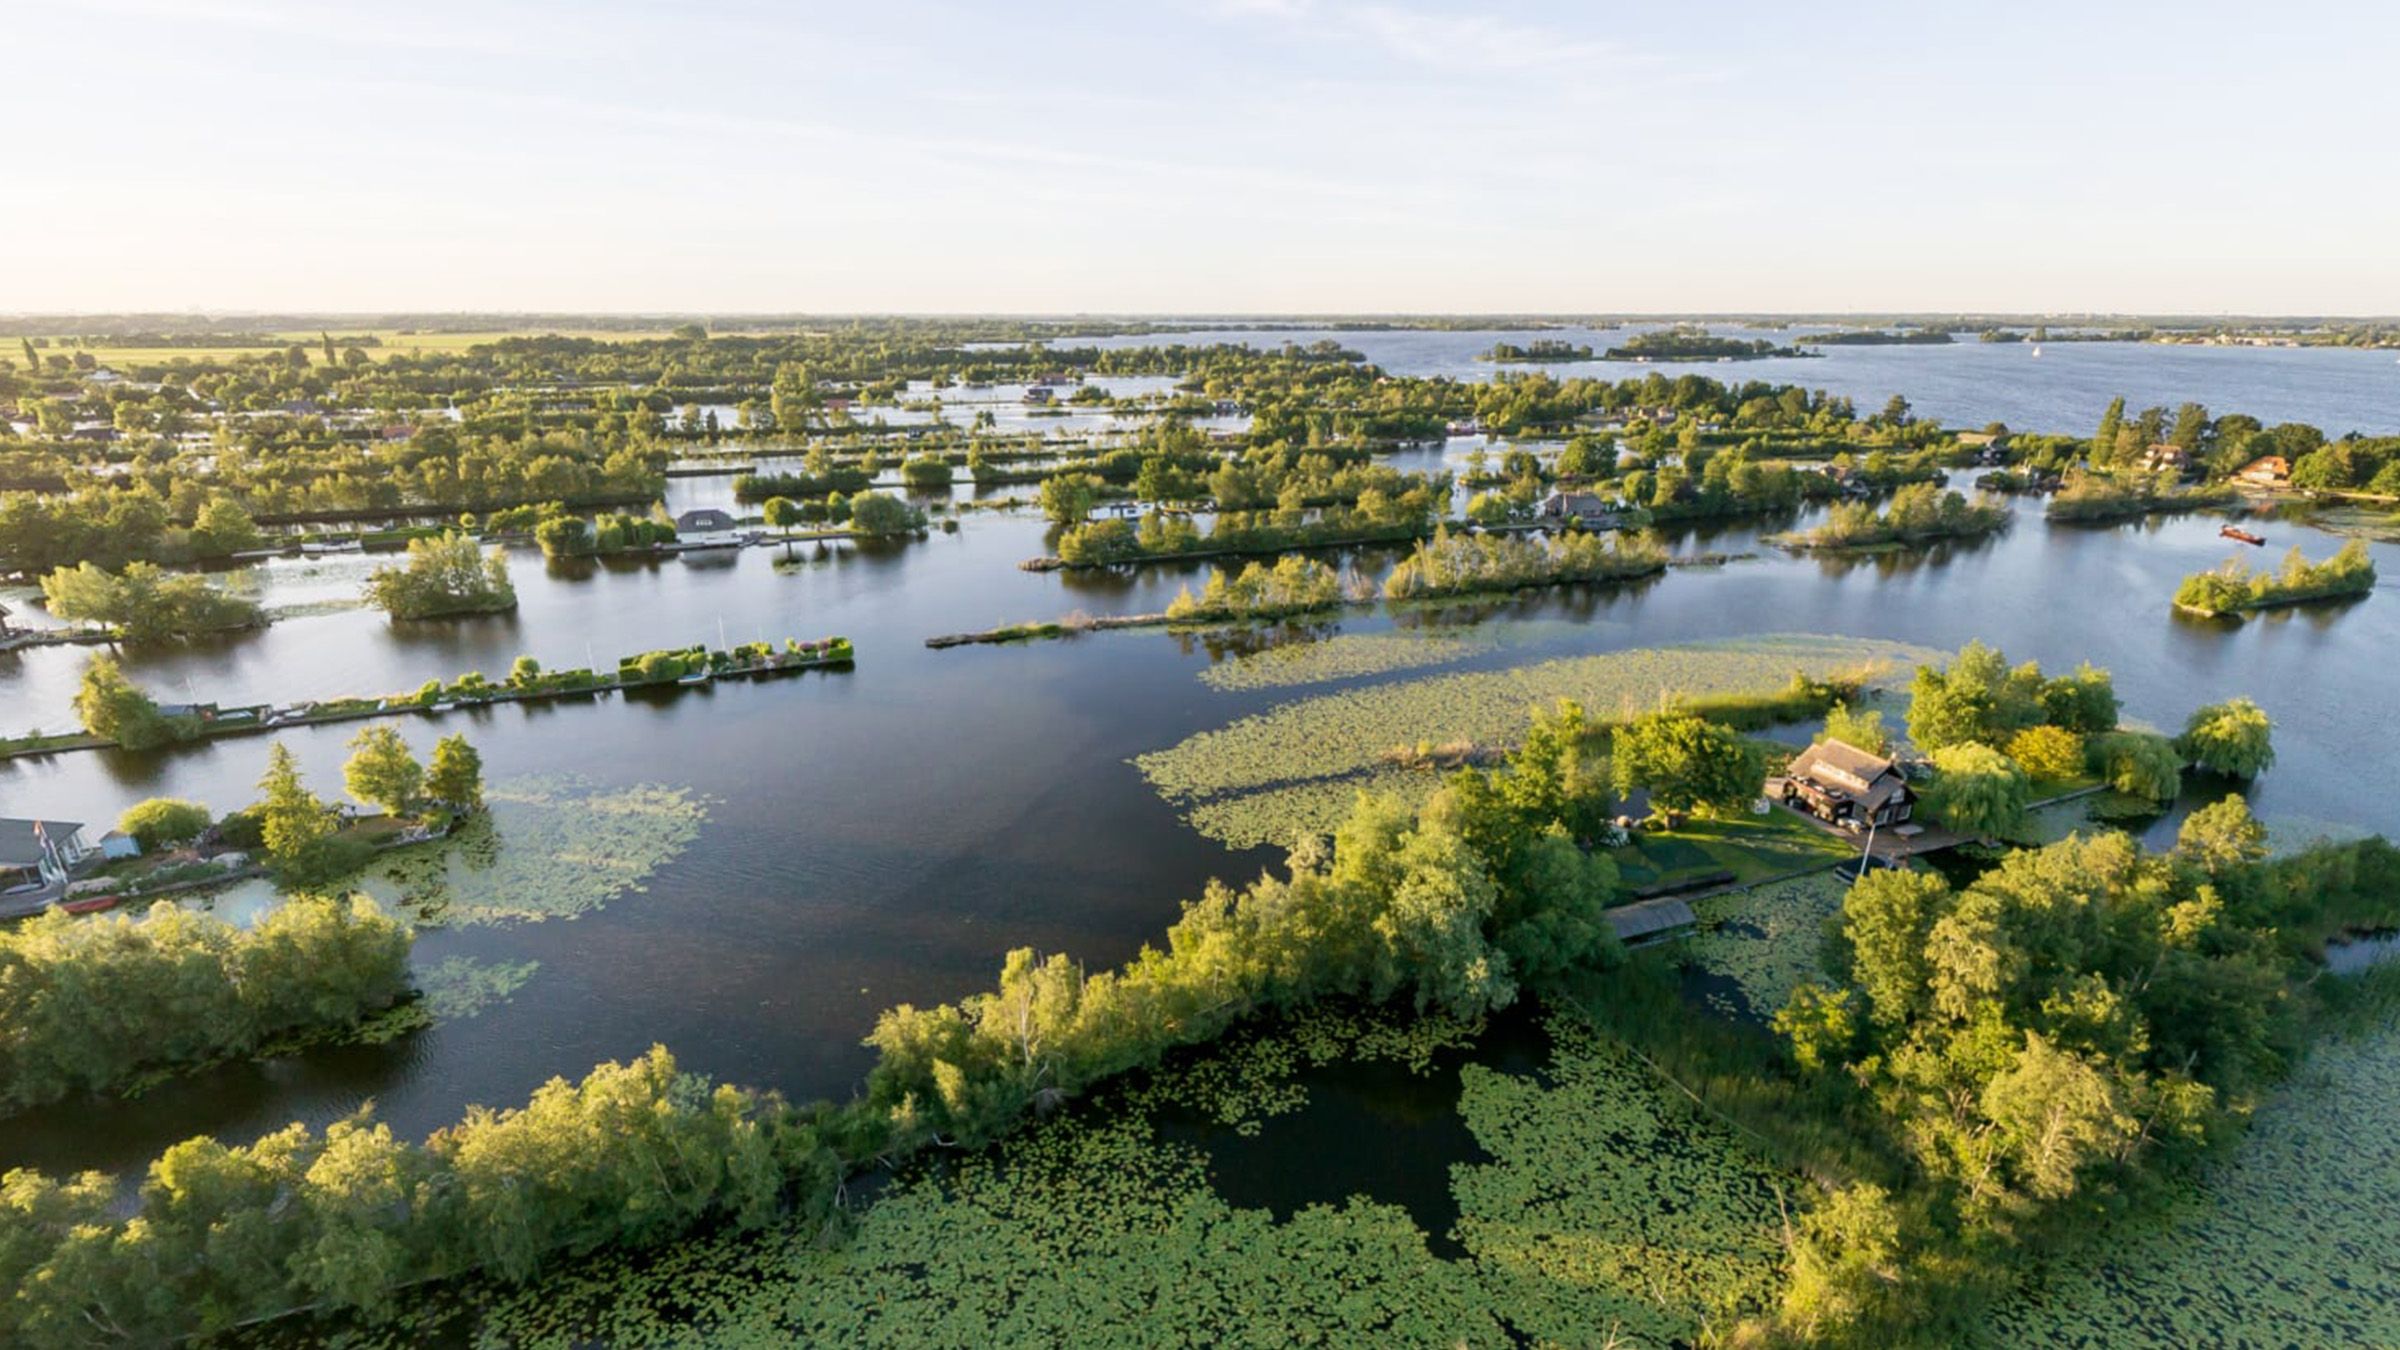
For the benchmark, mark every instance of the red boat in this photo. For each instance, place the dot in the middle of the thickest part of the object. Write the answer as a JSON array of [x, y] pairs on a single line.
[[90, 904], [2235, 532]]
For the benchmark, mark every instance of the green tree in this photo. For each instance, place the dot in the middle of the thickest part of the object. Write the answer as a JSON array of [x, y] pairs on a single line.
[[1887, 925], [2234, 738], [114, 709], [1820, 1026], [1861, 729], [381, 771], [456, 776], [2139, 764], [1686, 763], [1975, 698], [782, 513], [2084, 702], [161, 821], [223, 528], [880, 513], [524, 673], [2103, 449], [2222, 835], [2047, 753], [293, 816], [1979, 791], [1067, 498]]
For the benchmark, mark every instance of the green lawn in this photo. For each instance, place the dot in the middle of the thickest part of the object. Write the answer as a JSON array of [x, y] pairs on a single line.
[[1753, 848]]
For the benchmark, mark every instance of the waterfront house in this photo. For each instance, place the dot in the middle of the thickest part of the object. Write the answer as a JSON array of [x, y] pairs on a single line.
[[6, 630], [2270, 471], [1842, 784], [702, 520], [1589, 507], [2162, 457], [37, 853]]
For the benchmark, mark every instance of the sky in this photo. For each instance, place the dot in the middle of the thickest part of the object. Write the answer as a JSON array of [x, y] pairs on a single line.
[[1199, 156]]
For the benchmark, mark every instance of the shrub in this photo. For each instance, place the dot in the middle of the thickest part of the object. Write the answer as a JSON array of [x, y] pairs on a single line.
[[2047, 752], [162, 821]]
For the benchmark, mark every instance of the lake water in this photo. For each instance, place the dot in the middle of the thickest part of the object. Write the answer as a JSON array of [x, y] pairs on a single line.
[[1965, 384], [886, 834]]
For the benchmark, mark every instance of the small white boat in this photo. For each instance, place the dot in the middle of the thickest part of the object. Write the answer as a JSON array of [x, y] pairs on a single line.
[[696, 677], [2037, 352]]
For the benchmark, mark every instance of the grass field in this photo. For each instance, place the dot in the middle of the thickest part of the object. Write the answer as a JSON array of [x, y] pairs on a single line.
[[1753, 848]]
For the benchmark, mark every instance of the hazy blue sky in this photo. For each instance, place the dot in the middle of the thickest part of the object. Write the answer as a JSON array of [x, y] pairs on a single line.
[[1218, 155]]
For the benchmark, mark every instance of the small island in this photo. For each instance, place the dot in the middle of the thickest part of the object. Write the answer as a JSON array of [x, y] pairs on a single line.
[[1687, 344], [1878, 337], [2233, 587], [1541, 350], [1919, 513]]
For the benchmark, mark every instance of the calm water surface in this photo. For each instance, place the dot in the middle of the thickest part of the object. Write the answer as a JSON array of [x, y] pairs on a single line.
[[885, 834]]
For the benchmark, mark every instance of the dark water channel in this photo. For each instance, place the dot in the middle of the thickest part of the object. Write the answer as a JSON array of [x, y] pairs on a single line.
[[885, 834]]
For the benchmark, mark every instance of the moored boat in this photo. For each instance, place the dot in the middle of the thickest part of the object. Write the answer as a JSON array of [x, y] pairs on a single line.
[[90, 904], [2238, 533]]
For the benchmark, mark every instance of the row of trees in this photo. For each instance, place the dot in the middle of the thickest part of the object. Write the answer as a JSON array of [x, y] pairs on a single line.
[[1293, 585], [1462, 563], [89, 1004], [1918, 512]]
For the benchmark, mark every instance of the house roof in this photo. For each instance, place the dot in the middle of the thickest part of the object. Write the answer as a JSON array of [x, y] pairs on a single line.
[[1650, 918], [19, 847], [1839, 766], [703, 518]]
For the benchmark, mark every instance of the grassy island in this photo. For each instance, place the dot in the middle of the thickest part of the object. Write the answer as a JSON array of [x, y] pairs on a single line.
[[2234, 587]]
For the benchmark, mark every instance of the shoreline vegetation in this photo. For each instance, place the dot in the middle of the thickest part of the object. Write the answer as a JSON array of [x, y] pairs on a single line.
[[2112, 1068], [2233, 587], [117, 713], [2094, 497]]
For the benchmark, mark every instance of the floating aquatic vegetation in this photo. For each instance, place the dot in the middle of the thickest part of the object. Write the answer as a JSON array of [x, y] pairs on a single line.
[[550, 847], [1609, 1209], [2288, 1242], [2287, 835], [1612, 1213], [1344, 657], [460, 986], [1764, 941], [1293, 767], [1353, 655]]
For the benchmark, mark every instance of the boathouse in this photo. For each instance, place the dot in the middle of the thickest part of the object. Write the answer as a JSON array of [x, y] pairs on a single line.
[[1842, 784]]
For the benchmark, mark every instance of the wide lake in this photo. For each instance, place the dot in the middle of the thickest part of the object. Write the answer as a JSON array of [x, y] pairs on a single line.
[[885, 834]]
